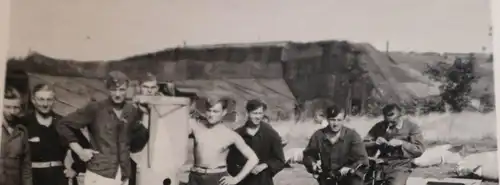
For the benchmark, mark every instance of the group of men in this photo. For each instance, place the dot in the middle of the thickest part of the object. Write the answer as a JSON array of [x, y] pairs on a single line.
[[35, 146], [337, 154]]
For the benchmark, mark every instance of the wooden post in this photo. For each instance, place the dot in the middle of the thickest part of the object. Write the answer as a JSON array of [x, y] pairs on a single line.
[[363, 97]]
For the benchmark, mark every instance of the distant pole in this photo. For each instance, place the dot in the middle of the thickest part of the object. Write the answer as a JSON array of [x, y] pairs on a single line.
[[387, 47], [184, 43]]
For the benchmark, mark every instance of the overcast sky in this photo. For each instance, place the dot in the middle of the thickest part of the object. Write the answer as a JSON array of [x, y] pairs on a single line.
[[113, 29]]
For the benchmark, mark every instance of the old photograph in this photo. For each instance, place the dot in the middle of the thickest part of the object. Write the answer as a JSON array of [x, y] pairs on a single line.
[[249, 93]]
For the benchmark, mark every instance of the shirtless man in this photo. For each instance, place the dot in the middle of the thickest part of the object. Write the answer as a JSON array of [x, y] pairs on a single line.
[[211, 146]]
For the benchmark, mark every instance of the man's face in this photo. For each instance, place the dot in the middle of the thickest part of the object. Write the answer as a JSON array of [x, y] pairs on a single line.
[[215, 114], [392, 116], [118, 94], [257, 115], [149, 88], [336, 122], [11, 108], [43, 101], [319, 116]]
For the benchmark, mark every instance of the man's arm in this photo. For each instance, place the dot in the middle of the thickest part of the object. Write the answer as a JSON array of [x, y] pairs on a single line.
[[27, 178], [75, 121], [415, 147], [371, 137], [358, 152], [311, 153], [139, 133], [252, 159], [276, 163]]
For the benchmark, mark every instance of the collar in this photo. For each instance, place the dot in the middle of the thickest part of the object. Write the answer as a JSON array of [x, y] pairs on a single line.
[[127, 109], [327, 130]]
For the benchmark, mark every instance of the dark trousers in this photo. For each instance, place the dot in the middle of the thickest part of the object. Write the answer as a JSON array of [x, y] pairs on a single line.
[[52, 176], [397, 173], [397, 177], [346, 180], [133, 173], [206, 178]]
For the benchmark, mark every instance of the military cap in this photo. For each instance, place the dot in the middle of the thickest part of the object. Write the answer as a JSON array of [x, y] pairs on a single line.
[[147, 77], [115, 79]]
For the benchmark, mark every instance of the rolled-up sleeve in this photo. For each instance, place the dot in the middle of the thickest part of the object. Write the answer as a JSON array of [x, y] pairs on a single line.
[[311, 152], [415, 147], [75, 121], [357, 152]]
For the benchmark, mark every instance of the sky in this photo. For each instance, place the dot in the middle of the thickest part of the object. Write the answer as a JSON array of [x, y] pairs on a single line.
[[115, 29]]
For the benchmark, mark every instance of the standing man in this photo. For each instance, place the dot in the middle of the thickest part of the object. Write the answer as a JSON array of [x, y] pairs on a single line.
[[47, 150], [399, 141], [148, 86], [109, 123], [335, 152], [15, 159], [264, 141], [212, 141]]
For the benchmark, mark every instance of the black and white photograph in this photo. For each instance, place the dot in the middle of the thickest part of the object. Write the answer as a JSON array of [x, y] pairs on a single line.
[[220, 92]]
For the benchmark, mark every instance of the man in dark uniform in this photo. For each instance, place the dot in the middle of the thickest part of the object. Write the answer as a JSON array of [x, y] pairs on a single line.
[[15, 159], [47, 150], [335, 152], [264, 141], [399, 141], [109, 123]]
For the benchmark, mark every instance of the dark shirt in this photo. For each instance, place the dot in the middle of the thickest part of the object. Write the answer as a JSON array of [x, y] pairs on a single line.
[[266, 143], [413, 142], [109, 135], [15, 159], [348, 151], [45, 143]]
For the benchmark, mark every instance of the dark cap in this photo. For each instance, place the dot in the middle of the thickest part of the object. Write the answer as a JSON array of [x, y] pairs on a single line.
[[115, 79], [333, 111], [147, 77]]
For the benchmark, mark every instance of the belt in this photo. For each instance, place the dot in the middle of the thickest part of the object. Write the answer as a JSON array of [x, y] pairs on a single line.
[[205, 170], [47, 164]]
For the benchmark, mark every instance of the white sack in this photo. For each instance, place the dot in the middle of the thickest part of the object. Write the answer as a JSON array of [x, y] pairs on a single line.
[[436, 156], [483, 165]]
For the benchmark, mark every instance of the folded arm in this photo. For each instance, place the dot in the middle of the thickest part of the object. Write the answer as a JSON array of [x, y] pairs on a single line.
[[75, 121]]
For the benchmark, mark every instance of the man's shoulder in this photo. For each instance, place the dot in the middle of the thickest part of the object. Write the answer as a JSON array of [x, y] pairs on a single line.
[[269, 129]]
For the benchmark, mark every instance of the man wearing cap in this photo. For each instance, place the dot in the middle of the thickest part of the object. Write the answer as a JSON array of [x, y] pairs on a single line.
[[336, 154], [398, 142], [109, 123]]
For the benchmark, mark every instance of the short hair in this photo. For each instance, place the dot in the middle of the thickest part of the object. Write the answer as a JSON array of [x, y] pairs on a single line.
[[334, 111], [42, 87], [390, 107], [224, 102], [254, 104], [11, 93]]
